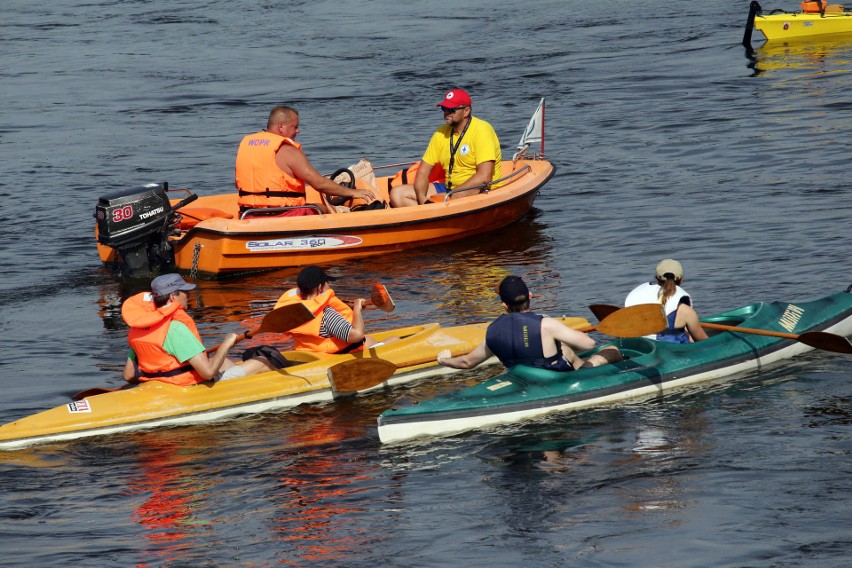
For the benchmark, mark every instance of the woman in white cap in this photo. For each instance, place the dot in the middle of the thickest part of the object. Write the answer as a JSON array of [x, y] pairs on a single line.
[[665, 289]]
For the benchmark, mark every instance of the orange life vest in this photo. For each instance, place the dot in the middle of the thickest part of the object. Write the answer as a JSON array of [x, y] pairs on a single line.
[[407, 175], [148, 328], [261, 183], [307, 336]]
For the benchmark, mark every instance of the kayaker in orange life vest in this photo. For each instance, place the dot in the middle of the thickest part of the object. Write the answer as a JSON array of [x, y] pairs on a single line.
[[336, 328], [165, 344], [272, 170], [521, 337]]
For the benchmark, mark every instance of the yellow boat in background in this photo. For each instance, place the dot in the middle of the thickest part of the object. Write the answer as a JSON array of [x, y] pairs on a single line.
[[817, 18]]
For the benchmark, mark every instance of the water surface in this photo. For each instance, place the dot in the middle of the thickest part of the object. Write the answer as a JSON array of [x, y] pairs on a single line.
[[668, 141]]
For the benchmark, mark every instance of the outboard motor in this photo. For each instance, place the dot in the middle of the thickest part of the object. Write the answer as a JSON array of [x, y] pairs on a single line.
[[137, 223]]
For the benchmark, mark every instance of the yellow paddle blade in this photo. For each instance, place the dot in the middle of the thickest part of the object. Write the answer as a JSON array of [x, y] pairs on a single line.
[[576, 323], [635, 321], [359, 374]]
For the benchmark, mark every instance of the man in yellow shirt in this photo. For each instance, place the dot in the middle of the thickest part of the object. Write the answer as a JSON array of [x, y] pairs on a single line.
[[466, 147]]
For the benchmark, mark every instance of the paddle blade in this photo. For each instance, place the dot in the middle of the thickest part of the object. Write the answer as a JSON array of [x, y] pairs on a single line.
[[635, 321], [284, 319], [826, 341], [359, 374], [603, 310], [381, 298], [94, 391], [576, 323]]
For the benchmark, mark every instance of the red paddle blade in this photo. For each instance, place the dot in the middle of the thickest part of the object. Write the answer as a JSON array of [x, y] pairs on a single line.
[[381, 298]]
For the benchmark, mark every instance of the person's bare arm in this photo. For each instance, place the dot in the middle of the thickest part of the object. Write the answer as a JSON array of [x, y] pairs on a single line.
[[358, 330], [206, 366], [484, 174], [421, 181], [129, 373], [573, 338], [294, 162], [468, 361], [688, 318]]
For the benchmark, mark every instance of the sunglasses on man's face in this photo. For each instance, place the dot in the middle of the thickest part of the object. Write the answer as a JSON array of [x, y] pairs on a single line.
[[446, 110]]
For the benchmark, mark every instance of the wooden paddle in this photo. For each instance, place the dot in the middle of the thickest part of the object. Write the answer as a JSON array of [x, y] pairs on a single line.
[[380, 297], [360, 374], [278, 320], [816, 339], [635, 321]]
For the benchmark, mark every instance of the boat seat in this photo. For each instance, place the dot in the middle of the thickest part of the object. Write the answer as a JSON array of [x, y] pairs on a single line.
[[632, 347], [290, 211], [194, 215]]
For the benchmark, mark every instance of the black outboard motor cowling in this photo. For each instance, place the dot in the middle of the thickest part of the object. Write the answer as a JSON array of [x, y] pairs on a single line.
[[137, 223]]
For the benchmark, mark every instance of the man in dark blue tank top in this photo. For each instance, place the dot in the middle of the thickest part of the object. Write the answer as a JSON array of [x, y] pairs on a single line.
[[521, 337]]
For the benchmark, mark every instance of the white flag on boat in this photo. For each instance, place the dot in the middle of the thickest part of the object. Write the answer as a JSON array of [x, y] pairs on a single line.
[[534, 132]]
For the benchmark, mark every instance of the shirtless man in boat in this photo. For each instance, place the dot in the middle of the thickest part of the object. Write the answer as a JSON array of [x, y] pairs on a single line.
[[272, 170], [466, 147], [165, 344], [521, 337]]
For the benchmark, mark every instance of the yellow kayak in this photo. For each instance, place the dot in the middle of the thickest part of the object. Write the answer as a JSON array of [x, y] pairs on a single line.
[[777, 26], [155, 404]]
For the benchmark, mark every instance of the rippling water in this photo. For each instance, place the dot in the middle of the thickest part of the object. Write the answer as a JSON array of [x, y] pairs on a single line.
[[668, 141]]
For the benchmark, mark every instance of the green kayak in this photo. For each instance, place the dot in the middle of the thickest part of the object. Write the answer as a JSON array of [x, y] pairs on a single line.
[[650, 368]]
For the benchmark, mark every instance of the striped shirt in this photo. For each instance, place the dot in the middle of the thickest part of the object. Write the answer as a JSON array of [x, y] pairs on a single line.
[[334, 325]]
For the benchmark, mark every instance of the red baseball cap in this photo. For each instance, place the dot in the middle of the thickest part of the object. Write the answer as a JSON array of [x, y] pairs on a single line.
[[455, 98]]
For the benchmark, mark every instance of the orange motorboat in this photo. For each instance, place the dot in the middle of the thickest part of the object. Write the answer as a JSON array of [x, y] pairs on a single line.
[[155, 228]]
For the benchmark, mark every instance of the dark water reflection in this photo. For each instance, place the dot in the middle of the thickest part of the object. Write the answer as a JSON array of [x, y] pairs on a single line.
[[668, 141]]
